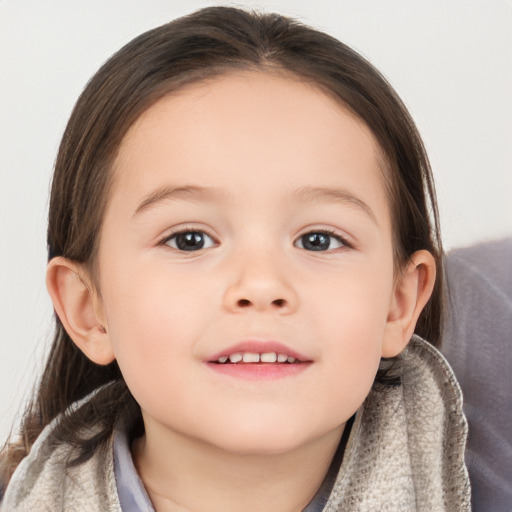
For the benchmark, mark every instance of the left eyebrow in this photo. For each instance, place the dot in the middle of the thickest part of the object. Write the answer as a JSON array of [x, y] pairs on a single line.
[[184, 193], [336, 195]]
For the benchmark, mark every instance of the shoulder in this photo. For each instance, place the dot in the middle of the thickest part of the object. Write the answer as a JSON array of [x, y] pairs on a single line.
[[406, 447], [45, 480]]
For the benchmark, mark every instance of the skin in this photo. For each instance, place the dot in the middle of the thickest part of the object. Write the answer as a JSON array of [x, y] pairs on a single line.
[[259, 141]]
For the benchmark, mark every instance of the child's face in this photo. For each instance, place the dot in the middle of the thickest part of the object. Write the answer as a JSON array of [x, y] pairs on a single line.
[[264, 177]]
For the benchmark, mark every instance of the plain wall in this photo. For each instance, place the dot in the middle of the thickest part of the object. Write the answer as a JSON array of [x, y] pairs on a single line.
[[451, 62]]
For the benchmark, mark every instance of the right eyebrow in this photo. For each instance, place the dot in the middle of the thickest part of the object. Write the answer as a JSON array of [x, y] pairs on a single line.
[[169, 192], [335, 195]]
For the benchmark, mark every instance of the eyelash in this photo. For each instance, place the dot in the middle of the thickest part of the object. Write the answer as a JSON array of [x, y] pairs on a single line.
[[330, 233]]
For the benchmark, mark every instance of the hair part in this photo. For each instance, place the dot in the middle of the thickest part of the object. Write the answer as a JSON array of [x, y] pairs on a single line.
[[202, 45]]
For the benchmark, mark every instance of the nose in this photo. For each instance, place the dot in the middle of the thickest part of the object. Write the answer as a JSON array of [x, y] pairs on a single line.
[[260, 284]]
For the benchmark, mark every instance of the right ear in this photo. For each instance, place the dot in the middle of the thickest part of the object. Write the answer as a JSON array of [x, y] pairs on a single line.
[[79, 308]]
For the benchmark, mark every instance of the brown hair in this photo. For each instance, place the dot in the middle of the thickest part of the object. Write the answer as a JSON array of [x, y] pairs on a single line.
[[204, 44]]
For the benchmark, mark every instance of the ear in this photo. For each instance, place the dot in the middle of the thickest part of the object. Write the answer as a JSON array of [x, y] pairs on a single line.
[[412, 290], [79, 308]]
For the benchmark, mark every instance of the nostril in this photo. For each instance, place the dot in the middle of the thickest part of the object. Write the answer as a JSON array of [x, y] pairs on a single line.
[[244, 303]]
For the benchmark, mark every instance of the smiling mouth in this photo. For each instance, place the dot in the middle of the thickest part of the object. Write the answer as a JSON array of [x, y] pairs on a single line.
[[258, 366], [259, 360], [255, 358]]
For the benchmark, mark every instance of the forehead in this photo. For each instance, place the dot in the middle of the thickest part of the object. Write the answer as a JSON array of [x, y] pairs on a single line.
[[257, 132]]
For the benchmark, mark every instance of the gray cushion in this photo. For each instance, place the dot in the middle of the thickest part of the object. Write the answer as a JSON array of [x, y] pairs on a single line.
[[478, 344]]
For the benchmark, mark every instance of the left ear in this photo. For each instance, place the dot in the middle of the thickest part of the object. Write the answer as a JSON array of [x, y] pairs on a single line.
[[413, 288]]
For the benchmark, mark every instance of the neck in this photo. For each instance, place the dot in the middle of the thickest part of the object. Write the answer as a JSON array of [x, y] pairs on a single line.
[[181, 474]]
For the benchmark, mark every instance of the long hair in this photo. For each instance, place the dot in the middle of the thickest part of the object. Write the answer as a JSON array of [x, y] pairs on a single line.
[[207, 43]]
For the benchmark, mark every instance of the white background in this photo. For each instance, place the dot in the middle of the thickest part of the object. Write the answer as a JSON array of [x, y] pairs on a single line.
[[451, 62]]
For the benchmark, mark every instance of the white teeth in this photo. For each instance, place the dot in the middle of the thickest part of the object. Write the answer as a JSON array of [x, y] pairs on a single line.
[[268, 357], [251, 357], [254, 357], [235, 358]]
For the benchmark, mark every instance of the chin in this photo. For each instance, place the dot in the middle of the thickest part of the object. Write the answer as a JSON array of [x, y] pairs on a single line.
[[257, 438], [252, 446]]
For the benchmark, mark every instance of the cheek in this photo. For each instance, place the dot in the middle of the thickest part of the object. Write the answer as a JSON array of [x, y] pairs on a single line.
[[151, 304], [351, 325], [356, 306], [154, 324]]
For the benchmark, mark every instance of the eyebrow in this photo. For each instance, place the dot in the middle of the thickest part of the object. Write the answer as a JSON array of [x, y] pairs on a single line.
[[169, 192], [303, 194], [335, 195]]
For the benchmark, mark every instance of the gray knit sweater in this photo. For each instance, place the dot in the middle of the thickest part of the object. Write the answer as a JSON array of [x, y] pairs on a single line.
[[405, 453]]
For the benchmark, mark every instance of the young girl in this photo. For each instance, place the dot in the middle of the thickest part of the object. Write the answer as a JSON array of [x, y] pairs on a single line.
[[241, 251]]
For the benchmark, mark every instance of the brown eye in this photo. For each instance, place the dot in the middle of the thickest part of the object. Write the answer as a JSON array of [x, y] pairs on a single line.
[[190, 241]]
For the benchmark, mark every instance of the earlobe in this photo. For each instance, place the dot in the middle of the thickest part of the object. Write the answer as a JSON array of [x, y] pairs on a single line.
[[412, 291], [79, 309]]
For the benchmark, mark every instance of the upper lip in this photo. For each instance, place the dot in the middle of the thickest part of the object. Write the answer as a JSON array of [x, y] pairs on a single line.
[[260, 347]]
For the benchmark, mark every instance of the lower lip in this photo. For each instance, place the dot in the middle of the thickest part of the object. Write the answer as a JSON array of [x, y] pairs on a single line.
[[259, 371]]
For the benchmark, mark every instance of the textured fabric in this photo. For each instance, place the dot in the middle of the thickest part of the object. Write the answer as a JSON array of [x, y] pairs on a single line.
[[406, 449], [405, 453], [41, 482], [478, 344]]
